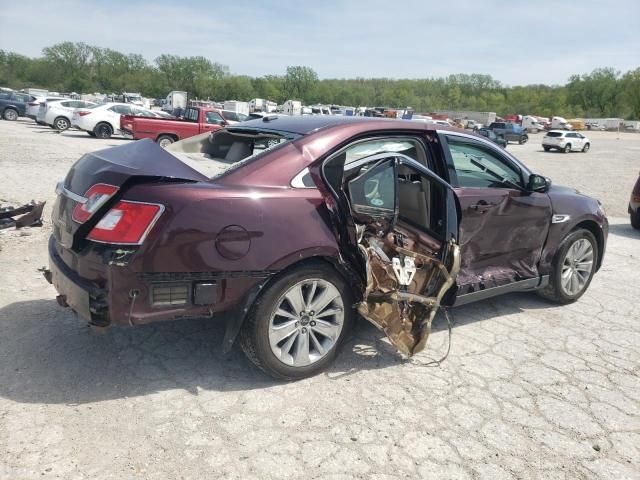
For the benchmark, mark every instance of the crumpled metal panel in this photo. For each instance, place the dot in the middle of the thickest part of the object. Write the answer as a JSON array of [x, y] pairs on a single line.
[[404, 314]]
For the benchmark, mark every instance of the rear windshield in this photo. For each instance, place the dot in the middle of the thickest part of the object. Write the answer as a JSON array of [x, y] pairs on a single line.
[[215, 154], [554, 134]]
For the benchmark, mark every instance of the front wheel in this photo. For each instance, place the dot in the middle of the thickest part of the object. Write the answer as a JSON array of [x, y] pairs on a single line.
[[523, 140], [92, 134], [573, 267], [567, 148], [546, 149], [297, 326], [586, 147], [635, 219]]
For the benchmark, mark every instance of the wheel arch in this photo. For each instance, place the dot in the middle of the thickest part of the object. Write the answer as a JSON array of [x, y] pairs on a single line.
[[236, 317], [594, 228], [168, 134]]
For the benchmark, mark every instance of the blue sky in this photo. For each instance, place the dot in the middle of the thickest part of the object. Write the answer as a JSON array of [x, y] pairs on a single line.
[[517, 42]]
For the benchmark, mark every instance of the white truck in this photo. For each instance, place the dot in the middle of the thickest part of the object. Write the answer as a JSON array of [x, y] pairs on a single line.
[[237, 107], [292, 107], [531, 124], [175, 99], [559, 123]]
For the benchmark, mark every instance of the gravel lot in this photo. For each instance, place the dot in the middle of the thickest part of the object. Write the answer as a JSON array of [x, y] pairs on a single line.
[[530, 390]]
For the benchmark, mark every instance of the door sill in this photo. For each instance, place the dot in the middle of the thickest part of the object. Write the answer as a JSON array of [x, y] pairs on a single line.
[[529, 284]]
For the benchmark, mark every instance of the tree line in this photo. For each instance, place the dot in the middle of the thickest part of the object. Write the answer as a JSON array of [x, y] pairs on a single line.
[[82, 68]]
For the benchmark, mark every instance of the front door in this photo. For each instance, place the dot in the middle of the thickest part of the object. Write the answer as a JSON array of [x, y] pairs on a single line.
[[503, 226], [398, 220]]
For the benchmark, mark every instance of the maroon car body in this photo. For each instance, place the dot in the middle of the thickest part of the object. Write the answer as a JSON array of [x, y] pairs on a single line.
[[220, 244], [634, 205]]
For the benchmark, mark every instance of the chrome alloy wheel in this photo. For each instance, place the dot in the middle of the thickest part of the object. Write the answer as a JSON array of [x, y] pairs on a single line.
[[577, 267], [306, 322]]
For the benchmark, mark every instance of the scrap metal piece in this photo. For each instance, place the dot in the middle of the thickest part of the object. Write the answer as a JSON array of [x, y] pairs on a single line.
[[31, 215]]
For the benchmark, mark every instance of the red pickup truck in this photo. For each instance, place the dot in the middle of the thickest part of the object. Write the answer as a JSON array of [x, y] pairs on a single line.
[[164, 131]]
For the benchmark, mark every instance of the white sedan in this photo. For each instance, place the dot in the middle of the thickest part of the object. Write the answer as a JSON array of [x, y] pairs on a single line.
[[103, 120], [58, 113], [565, 141]]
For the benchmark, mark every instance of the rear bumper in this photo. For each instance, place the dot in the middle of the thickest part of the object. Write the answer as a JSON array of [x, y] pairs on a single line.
[[87, 299], [116, 294]]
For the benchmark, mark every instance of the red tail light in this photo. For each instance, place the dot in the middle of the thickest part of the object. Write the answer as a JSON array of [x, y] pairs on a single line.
[[127, 223], [83, 113], [96, 197]]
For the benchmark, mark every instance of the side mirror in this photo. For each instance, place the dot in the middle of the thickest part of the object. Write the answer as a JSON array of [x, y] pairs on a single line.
[[538, 183]]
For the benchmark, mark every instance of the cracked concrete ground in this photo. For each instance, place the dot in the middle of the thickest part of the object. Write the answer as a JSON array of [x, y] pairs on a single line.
[[530, 390]]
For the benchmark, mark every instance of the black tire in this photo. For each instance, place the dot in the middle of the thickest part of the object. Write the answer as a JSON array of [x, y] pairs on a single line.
[[61, 124], [10, 114], [554, 291], [586, 148], [92, 134], [165, 140], [523, 139], [635, 219], [255, 330], [567, 148], [103, 130], [546, 149]]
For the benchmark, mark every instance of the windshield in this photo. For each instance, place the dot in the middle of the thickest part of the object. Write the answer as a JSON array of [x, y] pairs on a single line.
[[554, 134], [215, 154]]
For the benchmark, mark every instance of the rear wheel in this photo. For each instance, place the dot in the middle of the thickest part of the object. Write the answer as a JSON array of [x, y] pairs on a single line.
[[297, 326], [92, 134], [573, 267], [10, 114], [103, 130], [567, 148], [523, 139], [61, 123], [586, 147], [165, 140], [546, 149]]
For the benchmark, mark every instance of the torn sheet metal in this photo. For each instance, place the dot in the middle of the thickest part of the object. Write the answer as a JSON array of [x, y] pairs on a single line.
[[404, 287], [28, 215]]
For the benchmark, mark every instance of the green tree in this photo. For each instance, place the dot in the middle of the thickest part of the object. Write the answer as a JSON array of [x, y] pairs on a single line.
[[299, 82]]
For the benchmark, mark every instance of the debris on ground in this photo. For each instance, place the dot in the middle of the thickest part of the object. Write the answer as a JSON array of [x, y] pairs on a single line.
[[27, 215]]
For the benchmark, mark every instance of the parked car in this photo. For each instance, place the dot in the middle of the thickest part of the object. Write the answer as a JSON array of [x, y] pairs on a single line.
[[14, 104], [34, 105], [497, 139], [510, 131], [103, 120], [292, 224], [565, 141], [233, 117], [58, 113], [166, 131], [634, 205]]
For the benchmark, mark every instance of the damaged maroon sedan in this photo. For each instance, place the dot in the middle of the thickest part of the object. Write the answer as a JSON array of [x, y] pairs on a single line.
[[292, 226]]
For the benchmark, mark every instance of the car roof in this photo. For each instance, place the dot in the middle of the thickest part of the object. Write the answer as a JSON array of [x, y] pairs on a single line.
[[306, 124], [559, 131]]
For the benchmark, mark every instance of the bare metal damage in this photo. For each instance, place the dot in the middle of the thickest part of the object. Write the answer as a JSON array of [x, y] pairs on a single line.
[[404, 286]]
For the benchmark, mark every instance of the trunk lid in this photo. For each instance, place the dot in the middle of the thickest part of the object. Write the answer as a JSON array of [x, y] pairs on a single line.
[[135, 162]]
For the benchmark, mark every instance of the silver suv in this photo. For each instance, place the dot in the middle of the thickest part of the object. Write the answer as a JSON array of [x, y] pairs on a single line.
[[565, 141]]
